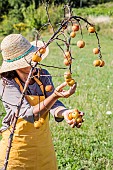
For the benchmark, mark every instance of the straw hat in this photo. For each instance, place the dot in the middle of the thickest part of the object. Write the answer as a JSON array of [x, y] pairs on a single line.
[[17, 52]]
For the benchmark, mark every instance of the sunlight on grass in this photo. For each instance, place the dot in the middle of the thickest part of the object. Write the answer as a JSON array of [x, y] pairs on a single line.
[[91, 146]]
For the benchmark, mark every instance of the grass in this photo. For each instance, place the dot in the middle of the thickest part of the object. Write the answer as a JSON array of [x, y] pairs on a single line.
[[91, 146], [100, 9]]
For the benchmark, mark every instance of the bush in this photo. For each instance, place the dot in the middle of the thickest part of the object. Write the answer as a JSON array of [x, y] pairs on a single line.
[[33, 18], [8, 21], [7, 25], [36, 18]]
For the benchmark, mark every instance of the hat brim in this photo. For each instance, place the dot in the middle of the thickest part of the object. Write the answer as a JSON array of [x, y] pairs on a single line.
[[25, 61]]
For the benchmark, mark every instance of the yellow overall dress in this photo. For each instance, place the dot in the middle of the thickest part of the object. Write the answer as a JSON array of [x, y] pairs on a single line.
[[32, 148]]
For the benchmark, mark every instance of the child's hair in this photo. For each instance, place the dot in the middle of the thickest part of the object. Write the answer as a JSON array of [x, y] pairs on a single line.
[[9, 75]]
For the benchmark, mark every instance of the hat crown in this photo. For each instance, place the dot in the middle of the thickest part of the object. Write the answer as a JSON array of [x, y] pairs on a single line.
[[14, 45]]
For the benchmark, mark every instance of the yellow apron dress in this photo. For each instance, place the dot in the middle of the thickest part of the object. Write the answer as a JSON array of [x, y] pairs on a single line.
[[32, 148]]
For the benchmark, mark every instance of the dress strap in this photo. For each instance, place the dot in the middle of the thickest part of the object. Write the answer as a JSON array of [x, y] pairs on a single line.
[[38, 81], [20, 85]]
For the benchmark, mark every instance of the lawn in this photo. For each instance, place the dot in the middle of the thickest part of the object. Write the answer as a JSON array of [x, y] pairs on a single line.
[[91, 146]]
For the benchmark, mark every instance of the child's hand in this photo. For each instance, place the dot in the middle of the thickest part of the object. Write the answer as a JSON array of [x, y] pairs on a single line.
[[73, 122], [60, 92]]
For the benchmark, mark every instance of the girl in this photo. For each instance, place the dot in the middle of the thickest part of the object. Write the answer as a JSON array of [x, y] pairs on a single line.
[[32, 147]]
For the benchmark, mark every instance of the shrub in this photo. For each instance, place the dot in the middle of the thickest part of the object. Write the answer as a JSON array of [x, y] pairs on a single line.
[[36, 18], [7, 25], [14, 17]]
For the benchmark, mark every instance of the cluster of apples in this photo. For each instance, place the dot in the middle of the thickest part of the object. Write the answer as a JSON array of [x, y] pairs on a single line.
[[67, 75], [75, 28], [98, 62], [67, 58], [37, 56], [75, 116], [68, 79], [39, 123], [81, 43]]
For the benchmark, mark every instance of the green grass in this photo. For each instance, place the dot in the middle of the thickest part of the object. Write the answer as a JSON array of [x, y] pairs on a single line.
[[101, 9], [91, 146]]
